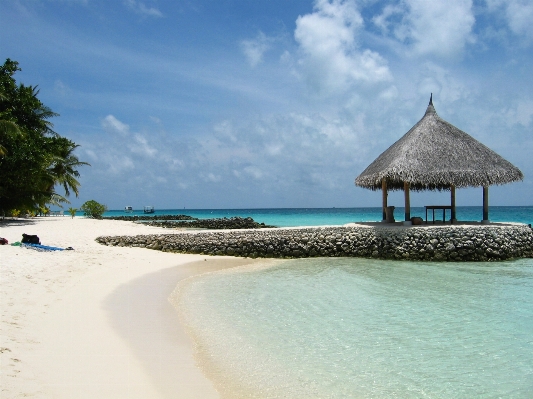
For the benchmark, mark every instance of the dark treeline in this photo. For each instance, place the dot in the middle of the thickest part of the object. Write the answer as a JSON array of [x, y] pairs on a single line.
[[134, 218], [185, 221], [34, 159]]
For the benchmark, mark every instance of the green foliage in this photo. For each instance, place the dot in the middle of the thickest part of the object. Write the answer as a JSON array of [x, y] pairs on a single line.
[[34, 159], [72, 211], [93, 209]]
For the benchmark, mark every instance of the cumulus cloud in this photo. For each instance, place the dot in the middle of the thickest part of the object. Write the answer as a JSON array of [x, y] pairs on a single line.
[[330, 53], [383, 21], [441, 28], [518, 16], [254, 49], [140, 8]]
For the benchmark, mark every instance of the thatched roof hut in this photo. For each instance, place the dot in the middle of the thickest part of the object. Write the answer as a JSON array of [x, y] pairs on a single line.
[[435, 155]]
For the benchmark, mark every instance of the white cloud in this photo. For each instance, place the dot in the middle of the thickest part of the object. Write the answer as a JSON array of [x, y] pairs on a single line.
[[522, 114], [390, 93], [279, 151], [116, 163], [442, 83], [331, 57], [254, 171], [441, 28], [140, 8], [140, 146], [210, 177], [518, 15], [255, 48], [120, 164], [112, 124], [91, 154], [382, 21], [173, 163]]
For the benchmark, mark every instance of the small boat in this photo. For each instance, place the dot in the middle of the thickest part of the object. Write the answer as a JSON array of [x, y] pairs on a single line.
[[128, 209], [149, 209]]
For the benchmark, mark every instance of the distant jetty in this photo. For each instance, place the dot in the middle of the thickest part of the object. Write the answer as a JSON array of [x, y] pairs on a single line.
[[456, 243], [184, 221]]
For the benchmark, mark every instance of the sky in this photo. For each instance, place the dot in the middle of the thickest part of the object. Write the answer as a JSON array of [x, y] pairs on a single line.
[[271, 103]]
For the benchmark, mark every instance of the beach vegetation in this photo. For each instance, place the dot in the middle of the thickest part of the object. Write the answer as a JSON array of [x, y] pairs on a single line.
[[72, 211], [93, 209], [15, 213], [39, 166]]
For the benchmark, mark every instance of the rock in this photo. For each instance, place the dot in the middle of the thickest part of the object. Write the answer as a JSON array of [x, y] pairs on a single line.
[[447, 243]]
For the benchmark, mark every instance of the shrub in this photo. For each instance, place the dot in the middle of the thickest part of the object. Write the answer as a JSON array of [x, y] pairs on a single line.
[[72, 212], [93, 209]]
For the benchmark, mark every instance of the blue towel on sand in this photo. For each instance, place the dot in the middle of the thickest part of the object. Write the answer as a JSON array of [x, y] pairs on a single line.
[[39, 247]]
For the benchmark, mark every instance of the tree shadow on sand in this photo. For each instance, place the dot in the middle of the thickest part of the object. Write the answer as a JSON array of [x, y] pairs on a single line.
[[16, 222]]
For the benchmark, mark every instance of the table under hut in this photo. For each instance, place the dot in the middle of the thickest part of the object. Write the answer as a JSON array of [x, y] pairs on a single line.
[[435, 155]]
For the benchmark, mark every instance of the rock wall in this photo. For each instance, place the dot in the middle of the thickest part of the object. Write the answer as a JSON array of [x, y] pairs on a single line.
[[180, 221], [134, 218], [453, 243]]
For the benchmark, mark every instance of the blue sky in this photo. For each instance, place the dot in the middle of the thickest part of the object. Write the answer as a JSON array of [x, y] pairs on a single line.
[[240, 103]]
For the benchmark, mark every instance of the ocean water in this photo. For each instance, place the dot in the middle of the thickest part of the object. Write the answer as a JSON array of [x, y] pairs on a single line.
[[288, 217], [362, 328]]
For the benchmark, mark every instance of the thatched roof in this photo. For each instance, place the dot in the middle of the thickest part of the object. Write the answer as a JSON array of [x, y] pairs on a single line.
[[433, 155]]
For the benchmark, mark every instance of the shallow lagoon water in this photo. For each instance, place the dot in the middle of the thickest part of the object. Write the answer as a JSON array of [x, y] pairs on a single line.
[[360, 328]]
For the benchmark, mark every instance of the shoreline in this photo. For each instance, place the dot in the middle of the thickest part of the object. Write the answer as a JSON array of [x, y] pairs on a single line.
[[96, 321]]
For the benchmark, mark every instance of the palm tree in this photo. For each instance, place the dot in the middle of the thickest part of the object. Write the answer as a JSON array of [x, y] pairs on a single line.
[[63, 169], [7, 128]]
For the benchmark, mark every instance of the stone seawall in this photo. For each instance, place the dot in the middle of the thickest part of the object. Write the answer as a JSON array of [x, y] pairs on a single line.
[[443, 243]]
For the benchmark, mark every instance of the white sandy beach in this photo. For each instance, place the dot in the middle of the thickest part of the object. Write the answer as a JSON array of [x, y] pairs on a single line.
[[95, 322]]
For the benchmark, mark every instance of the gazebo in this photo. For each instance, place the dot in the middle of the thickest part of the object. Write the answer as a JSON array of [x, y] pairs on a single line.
[[435, 155]]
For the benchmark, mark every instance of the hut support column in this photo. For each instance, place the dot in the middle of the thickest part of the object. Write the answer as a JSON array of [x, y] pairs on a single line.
[[384, 193], [452, 203], [485, 204], [407, 201]]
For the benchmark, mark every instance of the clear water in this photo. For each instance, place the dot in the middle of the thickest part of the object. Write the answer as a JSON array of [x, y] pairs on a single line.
[[359, 328], [288, 217]]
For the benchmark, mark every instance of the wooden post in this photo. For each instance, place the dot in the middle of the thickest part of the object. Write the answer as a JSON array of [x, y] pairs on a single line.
[[384, 192], [485, 204], [452, 203], [407, 201]]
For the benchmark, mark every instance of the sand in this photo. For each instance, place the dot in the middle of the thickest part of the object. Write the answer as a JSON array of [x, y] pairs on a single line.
[[95, 321]]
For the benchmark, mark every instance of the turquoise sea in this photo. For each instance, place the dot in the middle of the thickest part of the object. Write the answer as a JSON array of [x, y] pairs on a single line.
[[287, 217], [361, 328]]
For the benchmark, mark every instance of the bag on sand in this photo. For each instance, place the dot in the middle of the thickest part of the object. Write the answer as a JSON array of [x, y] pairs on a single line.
[[30, 239], [3, 241]]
